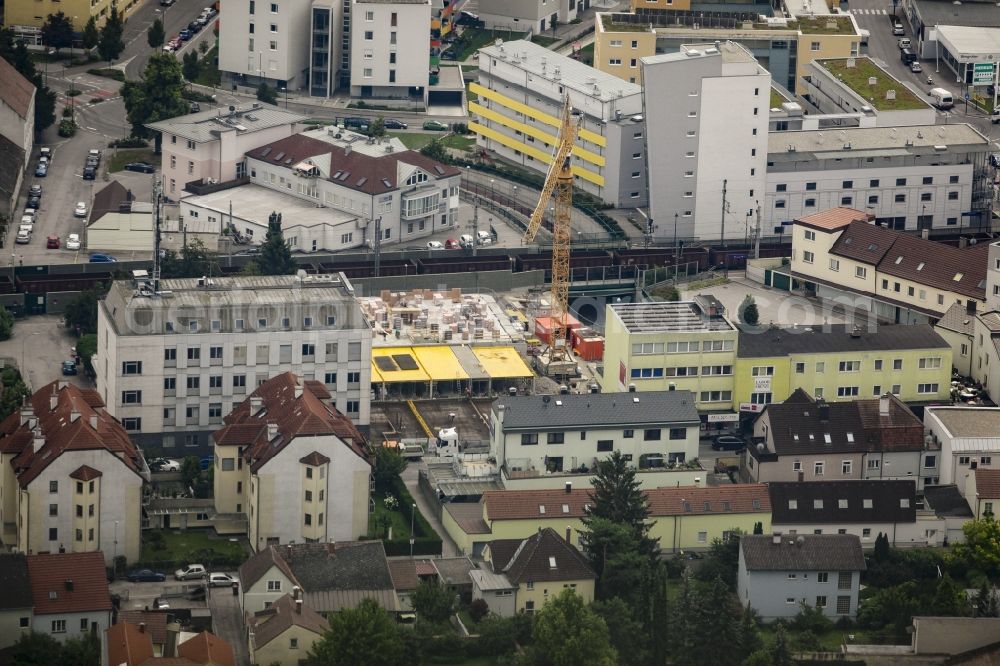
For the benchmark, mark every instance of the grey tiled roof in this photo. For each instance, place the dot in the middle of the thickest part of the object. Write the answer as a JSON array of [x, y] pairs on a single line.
[[947, 501], [598, 409], [822, 502], [14, 582], [359, 565], [803, 552], [781, 342]]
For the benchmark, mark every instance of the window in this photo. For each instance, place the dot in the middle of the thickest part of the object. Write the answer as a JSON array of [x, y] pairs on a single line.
[[850, 366], [132, 367], [800, 368], [860, 272], [848, 391], [814, 46], [843, 605], [930, 462], [215, 353], [555, 438], [193, 383], [818, 467], [605, 445], [900, 198], [194, 353], [900, 182], [651, 435], [808, 257], [820, 602], [823, 577], [834, 264], [929, 363], [132, 423], [927, 388], [897, 364], [628, 434], [702, 537], [762, 370], [677, 434], [58, 626], [529, 438], [810, 203], [131, 397], [844, 579], [53, 534], [293, 644], [810, 235], [845, 467], [274, 586], [810, 186]]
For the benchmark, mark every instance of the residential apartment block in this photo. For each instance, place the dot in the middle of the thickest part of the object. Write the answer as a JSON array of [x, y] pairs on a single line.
[[386, 48], [840, 363], [25, 19], [265, 41], [840, 256], [688, 345], [17, 133], [549, 434], [209, 147], [521, 88], [779, 573], [807, 439], [70, 478], [538, 16], [718, 144], [172, 363], [292, 466], [969, 438]]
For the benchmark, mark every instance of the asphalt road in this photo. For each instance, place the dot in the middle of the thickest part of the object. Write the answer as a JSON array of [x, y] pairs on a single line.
[[38, 347]]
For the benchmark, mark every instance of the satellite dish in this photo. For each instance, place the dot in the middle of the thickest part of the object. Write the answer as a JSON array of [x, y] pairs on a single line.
[[231, 108], [760, 447]]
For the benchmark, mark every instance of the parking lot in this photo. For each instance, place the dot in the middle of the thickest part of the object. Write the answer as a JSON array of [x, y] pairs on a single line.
[[38, 346]]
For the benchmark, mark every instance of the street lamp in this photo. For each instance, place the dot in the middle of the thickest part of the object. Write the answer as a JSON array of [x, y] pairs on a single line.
[[492, 181], [413, 510], [114, 561]]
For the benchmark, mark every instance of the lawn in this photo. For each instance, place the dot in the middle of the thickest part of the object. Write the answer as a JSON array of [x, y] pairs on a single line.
[[383, 517], [776, 99], [126, 155], [189, 546], [417, 140], [587, 54], [544, 41], [856, 78], [473, 39], [209, 75], [459, 141]]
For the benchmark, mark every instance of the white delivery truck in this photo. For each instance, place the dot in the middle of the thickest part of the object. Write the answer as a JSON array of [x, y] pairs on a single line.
[[941, 98]]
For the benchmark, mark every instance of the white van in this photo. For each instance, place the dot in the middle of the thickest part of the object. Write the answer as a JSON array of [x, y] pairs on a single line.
[[941, 98], [465, 241], [995, 118], [484, 237]]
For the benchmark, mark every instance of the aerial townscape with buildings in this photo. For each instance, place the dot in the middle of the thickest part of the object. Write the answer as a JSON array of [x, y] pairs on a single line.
[[493, 332]]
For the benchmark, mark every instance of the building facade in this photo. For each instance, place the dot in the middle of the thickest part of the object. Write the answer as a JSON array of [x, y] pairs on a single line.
[[711, 104], [70, 594], [17, 133], [521, 87], [26, 19], [386, 48], [265, 42], [171, 363], [969, 441], [538, 16]]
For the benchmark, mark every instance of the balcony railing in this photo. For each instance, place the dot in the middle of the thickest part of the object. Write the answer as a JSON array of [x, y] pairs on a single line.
[[202, 186]]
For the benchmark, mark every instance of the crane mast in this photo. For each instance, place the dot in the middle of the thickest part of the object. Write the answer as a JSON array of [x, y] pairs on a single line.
[[558, 188]]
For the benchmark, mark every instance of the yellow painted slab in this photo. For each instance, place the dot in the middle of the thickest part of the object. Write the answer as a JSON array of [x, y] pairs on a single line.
[[543, 157], [502, 362], [540, 116], [396, 376], [550, 139], [440, 363]]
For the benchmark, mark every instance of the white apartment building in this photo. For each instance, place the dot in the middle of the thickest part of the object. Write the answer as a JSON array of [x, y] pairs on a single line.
[[390, 49], [710, 104], [969, 438], [523, 15], [264, 40], [171, 363], [569, 433], [70, 477], [329, 46], [521, 89], [909, 178], [350, 182], [293, 466], [208, 147]]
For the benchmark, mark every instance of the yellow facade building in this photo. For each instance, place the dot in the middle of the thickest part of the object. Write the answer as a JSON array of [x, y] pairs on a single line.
[[26, 18]]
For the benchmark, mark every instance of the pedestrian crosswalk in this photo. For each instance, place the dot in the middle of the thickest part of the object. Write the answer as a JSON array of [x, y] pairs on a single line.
[[862, 12]]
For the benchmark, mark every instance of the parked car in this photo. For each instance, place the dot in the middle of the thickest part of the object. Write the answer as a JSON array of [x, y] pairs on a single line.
[[448, 54], [184, 35], [903, 43], [33, 203], [23, 236], [191, 572], [41, 170], [195, 107], [164, 465], [159, 604], [166, 3], [220, 580], [728, 443], [356, 123], [52, 243], [435, 125], [28, 219], [46, 153], [465, 241], [169, 48], [89, 173], [73, 242], [141, 167], [451, 244], [98, 258], [484, 237], [194, 26], [95, 153], [69, 368], [80, 210], [145, 576], [916, 67], [435, 245], [35, 191], [393, 124]]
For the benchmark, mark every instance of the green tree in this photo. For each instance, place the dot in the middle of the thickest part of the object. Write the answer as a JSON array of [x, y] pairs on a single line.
[[377, 128], [194, 261], [266, 93], [275, 257], [980, 550], [83, 650], [758, 527], [750, 640], [203, 47], [16, 53], [156, 34], [157, 96], [748, 311], [567, 633], [81, 313], [985, 604], [781, 654], [713, 629], [433, 602], [627, 635], [91, 35], [86, 347], [191, 67], [362, 635], [14, 392], [190, 470], [723, 559], [436, 151], [388, 465], [881, 552], [499, 635], [6, 324], [57, 31], [111, 42], [35, 649]]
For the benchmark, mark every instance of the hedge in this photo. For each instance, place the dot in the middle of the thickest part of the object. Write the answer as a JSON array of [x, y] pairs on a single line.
[[427, 541]]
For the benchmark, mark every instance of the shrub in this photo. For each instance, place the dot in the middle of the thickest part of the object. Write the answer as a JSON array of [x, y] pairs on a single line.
[[67, 128], [72, 92], [811, 619], [130, 142], [807, 641], [67, 112], [479, 609]]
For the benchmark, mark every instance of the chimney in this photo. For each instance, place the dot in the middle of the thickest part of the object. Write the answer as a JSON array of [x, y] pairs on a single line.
[[255, 404], [63, 384], [69, 584], [776, 539], [569, 487], [142, 627], [170, 647], [963, 242], [970, 307], [272, 430], [883, 405], [298, 391], [856, 331], [27, 413], [74, 415], [823, 407], [37, 440], [298, 606], [569, 534], [296, 592], [501, 411], [288, 551], [93, 421]]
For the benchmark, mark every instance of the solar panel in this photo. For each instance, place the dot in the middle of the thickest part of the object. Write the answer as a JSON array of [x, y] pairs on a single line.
[[385, 364], [405, 362]]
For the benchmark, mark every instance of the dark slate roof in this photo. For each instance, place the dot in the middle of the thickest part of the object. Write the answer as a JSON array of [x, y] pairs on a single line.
[[532, 559], [797, 428], [864, 242], [843, 501], [834, 339], [597, 409], [938, 265], [359, 565], [957, 319], [803, 552], [946, 500], [109, 200], [14, 581], [945, 12]]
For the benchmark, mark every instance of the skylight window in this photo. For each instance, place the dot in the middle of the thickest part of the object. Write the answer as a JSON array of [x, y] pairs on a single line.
[[552, 563], [565, 508], [872, 247], [850, 437], [541, 509], [920, 266], [827, 438], [899, 260], [958, 276]]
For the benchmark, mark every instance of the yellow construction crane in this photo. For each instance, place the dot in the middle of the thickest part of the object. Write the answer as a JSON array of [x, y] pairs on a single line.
[[558, 186]]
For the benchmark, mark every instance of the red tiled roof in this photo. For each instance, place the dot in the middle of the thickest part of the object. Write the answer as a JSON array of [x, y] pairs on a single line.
[[85, 473], [155, 621], [404, 574], [525, 504], [295, 410], [52, 575], [834, 218], [315, 459], [365, 173], [988, 483], [128, 644], [15, 90], [73, 425], [206, 648]]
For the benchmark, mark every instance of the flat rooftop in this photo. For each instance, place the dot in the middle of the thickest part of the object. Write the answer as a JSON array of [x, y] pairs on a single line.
[[729, 51], [207, 125], [255, 203], [973, 40], [977, 13], [361, 143], [727, 24], [540, 61], [971, 422], [862, 141], [855, 73], [596, 410], [776, 342], [667, 317]]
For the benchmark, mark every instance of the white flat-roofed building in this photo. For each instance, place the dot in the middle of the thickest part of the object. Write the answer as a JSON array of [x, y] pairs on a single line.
[[911, 178], [962, 48], [969, 438], [171, 365], [522, 15], [520, 90]]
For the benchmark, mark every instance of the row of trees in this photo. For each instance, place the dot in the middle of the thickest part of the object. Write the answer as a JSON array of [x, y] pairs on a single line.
[[57, 33], [16, 53]]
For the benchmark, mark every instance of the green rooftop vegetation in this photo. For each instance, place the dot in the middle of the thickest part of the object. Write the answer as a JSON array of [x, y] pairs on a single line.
[[824, 25], [626, 27], [856, 78], [776, 99]]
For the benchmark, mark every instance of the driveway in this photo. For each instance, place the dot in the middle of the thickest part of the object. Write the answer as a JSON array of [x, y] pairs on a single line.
[[39, 346], [227, 620]]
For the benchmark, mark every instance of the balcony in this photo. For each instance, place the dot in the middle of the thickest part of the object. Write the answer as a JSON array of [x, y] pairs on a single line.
[[202, 186]]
